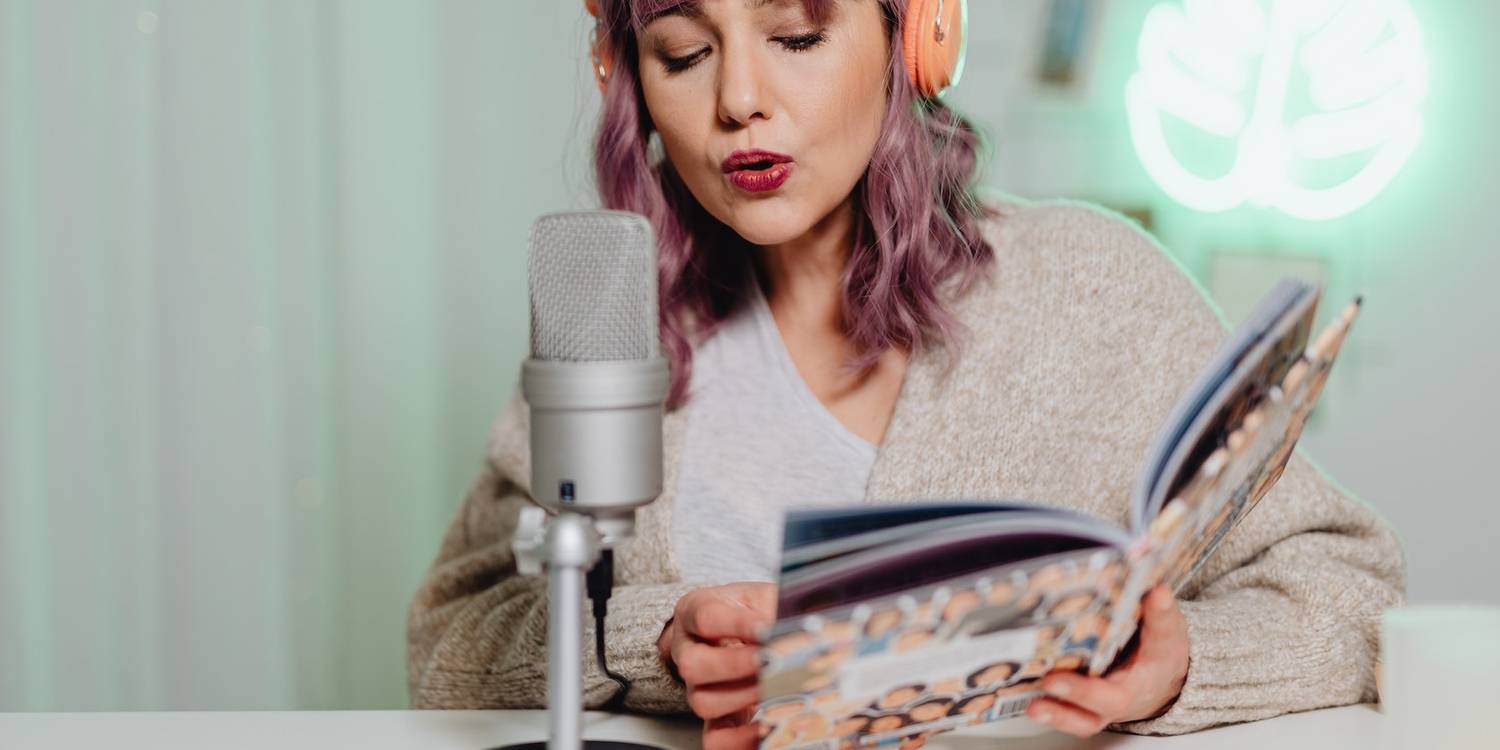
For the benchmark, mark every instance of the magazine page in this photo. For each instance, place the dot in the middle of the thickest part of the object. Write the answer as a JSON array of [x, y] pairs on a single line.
[[813, 535], [935, 658], [936, 556], [1247, 358], [841, 669], [1248, 458], [1252, 458]]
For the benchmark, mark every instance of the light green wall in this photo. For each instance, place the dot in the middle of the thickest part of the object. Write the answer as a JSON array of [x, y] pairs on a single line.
[[261, 293]]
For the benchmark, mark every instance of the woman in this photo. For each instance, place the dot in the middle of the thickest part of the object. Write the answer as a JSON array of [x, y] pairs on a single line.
[[859, 326]]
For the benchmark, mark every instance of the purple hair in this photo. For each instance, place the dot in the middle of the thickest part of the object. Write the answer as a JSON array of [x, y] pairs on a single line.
[[917, 216]]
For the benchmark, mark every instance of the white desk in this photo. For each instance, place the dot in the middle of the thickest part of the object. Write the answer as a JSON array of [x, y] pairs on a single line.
[[1348, 727]]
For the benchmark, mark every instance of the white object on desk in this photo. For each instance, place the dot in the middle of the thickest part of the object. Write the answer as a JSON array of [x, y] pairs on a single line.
[[1441, 677], [1352, 727]]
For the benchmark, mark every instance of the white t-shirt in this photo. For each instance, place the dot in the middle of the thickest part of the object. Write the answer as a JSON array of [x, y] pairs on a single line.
[[758, 443]]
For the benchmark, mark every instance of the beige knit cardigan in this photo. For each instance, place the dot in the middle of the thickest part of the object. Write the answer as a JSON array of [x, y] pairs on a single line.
[[1082, 339]]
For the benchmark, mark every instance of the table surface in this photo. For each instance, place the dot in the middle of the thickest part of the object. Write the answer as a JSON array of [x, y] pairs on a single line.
[[1346, 727]]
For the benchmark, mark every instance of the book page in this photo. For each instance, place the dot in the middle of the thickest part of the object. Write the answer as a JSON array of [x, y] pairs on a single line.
[[1226, 486], [1256, 456], [964, 651], [1241, 362]]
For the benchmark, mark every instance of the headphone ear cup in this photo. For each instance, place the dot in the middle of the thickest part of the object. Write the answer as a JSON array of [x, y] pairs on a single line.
[[915, 11], [600, 57], [932, 43]]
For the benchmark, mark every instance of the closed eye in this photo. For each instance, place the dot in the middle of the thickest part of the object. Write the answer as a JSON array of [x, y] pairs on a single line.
[[803, 42], [678, 64], [800, 43]]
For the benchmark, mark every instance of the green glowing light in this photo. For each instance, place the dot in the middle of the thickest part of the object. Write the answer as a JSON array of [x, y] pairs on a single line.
[[1309, 107]]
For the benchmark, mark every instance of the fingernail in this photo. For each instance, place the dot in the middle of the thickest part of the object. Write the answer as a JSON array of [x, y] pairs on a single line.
[[1059, 689], [1044, 715]]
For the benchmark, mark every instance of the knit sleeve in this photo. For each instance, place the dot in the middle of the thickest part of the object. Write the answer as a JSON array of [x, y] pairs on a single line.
[[477, 631], [1284, 616]]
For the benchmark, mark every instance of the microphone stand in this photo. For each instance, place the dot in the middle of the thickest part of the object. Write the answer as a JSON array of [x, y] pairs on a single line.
[[572, 548], [596, 455], [567, 544]]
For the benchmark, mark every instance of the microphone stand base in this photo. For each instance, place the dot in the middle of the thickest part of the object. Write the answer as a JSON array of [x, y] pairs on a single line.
[[587, 745]]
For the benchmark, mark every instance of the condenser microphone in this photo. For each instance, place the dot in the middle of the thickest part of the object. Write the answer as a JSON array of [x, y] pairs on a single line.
[[595, 382], [596, 386]]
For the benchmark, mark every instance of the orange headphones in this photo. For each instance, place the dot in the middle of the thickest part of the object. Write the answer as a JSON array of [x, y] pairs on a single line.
[[932, 44]]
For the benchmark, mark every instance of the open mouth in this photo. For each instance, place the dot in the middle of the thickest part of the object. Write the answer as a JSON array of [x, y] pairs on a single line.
[[757, 170], [754, 160]]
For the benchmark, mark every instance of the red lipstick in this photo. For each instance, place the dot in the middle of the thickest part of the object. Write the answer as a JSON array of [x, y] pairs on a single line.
[[757, 170]]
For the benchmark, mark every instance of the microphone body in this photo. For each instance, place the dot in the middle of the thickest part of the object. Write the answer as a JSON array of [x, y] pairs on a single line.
[[595, 434], [595, 382], [596, 387]]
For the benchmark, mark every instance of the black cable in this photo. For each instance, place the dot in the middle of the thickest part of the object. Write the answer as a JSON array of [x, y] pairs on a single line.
[[601, 579]]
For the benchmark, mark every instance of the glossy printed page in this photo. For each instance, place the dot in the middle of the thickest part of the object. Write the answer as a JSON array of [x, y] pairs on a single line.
[[1248, 456], [1257, 353], [960, 652]]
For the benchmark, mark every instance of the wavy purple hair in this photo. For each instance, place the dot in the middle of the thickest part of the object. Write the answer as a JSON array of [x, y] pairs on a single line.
[[917, 227]]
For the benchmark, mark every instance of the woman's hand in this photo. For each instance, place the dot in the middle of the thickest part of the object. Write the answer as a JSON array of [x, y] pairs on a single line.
[[1141, 688], [711, 643]]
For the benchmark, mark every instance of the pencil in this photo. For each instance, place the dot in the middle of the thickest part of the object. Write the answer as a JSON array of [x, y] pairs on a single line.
[[1324, 349], [1327, 345]]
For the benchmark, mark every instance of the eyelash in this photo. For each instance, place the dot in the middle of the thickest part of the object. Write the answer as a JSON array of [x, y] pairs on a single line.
[[791, 43]]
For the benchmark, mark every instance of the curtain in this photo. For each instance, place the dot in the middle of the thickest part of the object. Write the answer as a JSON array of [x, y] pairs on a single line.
[[262, 290]]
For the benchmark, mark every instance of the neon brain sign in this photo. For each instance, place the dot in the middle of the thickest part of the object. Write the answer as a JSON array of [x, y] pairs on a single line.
[[1310, 107]]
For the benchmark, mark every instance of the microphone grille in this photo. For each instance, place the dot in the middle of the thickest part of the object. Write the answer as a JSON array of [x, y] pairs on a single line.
[[593, 287]]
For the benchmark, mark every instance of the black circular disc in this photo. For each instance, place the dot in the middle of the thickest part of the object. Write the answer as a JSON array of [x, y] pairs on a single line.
[[587, 745]]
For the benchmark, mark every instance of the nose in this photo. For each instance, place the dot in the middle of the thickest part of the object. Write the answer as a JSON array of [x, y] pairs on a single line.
[[742, 85]]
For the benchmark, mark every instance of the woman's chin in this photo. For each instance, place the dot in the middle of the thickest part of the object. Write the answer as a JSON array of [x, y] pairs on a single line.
[[767, 225]]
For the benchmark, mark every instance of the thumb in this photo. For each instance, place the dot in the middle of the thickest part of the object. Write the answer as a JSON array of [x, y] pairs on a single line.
[[1163, 626]]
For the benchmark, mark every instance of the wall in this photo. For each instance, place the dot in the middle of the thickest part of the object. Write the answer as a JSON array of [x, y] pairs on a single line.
[[261, 293]]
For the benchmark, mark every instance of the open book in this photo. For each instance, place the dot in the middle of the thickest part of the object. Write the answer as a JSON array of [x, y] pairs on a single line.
[[899, 621]]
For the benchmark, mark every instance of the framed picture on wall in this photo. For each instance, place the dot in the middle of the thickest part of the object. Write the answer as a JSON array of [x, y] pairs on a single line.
[[1137, 211], [1069, 33]]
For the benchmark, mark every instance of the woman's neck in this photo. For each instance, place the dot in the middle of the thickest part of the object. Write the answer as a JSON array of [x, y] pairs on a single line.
[[803, 275], [806, 300]]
